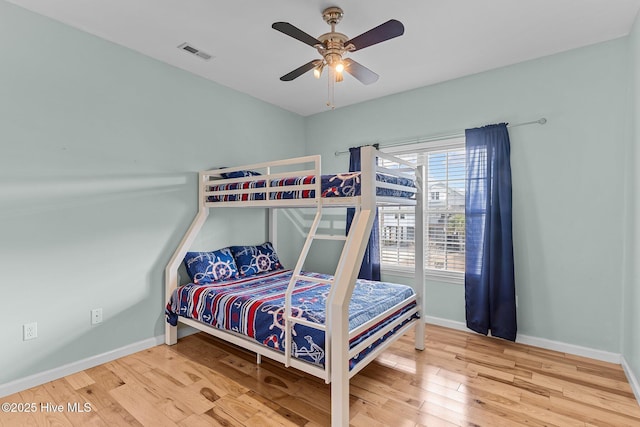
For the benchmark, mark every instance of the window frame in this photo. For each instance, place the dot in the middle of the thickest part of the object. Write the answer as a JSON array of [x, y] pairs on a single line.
[[445, 144]]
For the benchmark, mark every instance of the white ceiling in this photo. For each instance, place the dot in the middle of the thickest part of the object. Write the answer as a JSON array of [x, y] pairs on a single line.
[[443, 39]]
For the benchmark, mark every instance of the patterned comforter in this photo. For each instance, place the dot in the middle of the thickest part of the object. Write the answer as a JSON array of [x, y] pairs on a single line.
[[340, 185], [254, 307]]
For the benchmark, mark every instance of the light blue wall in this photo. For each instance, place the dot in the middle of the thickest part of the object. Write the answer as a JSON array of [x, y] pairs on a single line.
[[99, 148], [631, 320], [567, 178]]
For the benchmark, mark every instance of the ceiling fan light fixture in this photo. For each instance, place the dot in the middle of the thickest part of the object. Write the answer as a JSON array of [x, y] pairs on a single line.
[[339, 67], [317, 71]]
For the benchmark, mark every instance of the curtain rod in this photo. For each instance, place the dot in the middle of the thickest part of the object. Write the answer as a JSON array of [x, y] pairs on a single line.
[[428, 138]]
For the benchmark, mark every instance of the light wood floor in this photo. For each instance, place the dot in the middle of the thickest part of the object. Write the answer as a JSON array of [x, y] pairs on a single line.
[[460, 379]]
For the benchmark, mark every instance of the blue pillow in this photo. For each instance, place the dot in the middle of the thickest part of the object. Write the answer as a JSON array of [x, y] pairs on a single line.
[[239, 174], [252, 260], [209, 267]]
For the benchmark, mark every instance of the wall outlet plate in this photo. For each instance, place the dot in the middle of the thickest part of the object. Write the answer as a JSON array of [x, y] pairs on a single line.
[[96, 316], [29, 331]]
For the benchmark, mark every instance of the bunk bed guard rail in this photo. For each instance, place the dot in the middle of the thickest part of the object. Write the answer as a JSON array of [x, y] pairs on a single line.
[[254, 184]]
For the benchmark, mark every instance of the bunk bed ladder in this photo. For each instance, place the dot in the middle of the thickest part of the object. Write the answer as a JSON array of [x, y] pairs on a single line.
[[296, 275]]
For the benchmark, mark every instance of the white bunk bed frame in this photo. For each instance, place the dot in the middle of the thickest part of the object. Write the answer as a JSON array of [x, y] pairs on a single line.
[[336, 368]]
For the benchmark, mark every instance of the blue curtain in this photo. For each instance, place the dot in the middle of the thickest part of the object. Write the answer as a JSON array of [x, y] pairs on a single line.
[[370, 268], [489, 276]]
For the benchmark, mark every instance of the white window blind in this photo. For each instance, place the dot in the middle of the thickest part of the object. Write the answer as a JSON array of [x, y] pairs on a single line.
[[443, 213], [397, 228], [397, 236]]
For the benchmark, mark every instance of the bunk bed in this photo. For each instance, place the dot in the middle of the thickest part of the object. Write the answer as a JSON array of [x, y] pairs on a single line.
[[341, 339]]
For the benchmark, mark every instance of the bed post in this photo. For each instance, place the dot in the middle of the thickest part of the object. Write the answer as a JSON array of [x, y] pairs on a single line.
[[419, 257], [345, 278], [352, 254], [272, 215], [171, 271], [273, 227]]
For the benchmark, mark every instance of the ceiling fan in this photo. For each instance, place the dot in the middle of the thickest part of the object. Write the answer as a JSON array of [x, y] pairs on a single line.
[[332, 46]]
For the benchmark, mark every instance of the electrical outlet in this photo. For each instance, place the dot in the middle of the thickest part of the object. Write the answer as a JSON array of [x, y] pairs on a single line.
[[29, 331], [96, 316]]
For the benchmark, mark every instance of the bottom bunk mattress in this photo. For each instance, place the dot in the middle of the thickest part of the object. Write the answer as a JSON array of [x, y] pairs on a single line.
[[254, 307]]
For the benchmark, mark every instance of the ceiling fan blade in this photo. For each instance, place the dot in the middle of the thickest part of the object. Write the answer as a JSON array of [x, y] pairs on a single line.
[[359, 71], [300, 71], [383, 32], [296, 33]]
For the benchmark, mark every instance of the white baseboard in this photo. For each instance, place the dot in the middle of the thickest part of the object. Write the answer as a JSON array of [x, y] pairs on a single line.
[[53, 374], [633, 380], [577, 350], [446, 323]]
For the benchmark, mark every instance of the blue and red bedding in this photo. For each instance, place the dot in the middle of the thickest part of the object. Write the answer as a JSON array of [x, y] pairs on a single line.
[[254, 307], [340, 185]]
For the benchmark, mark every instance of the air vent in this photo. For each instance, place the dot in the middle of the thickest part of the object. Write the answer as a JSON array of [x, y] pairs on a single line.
[[194, 51]]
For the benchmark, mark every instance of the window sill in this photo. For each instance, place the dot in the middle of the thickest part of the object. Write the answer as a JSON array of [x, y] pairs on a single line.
[[397, 271], [445, 276], [434, 275]]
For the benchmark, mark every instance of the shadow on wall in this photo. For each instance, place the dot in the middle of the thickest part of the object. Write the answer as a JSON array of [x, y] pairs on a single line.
[[35, 196], [324, 254], [80, 244], [333, 221]]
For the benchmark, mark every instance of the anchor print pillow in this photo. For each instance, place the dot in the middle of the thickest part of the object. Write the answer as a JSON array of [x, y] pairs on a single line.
[[209, 267], [252, 260]]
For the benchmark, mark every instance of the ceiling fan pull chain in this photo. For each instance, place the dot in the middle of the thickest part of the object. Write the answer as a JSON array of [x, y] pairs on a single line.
[[332, 82]]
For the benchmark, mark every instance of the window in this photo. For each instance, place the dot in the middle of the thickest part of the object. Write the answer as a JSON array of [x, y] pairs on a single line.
[[444, 219], [397, 236]]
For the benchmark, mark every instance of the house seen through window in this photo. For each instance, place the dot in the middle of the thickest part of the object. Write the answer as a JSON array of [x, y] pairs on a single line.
[[444, 220]]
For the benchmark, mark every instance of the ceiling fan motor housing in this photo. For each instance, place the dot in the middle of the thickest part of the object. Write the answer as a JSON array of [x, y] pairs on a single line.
[[332, 47]]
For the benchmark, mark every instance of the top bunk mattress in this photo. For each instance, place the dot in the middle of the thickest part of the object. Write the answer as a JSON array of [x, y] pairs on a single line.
[[338, 185]]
